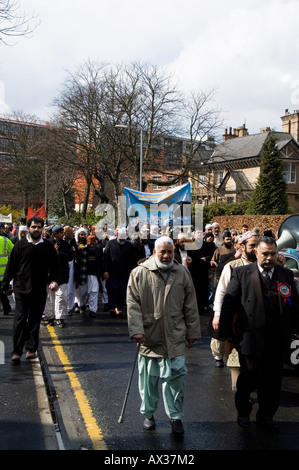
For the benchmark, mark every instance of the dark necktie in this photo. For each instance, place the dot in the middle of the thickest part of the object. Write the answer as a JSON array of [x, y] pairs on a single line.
[[266, 276]]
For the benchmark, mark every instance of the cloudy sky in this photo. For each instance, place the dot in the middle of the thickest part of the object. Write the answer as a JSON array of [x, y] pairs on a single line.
[[248, 51]]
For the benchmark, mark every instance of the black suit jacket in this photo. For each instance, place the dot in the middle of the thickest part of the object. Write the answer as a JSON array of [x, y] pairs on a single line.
[[118, 259], [243, 315]]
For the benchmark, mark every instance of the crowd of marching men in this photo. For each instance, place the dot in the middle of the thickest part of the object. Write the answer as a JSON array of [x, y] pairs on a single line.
[[231, 272], [97, 260]]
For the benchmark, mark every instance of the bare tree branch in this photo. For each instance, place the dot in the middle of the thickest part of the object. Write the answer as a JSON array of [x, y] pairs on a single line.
[[13, 22]]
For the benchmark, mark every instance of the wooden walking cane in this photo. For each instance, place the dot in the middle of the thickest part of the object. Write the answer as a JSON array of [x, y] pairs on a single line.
[[121, 418]]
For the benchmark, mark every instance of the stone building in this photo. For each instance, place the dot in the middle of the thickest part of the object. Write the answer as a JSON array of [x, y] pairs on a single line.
[[233, 168]]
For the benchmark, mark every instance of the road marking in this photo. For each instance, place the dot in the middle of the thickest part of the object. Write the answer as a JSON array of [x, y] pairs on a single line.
[[92, 427]]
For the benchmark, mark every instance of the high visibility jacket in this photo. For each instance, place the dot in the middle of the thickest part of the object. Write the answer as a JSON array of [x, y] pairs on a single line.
[[6, 247]]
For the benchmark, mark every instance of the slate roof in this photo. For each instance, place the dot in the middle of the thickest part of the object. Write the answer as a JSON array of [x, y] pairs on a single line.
[[250, 146], [242, 182]]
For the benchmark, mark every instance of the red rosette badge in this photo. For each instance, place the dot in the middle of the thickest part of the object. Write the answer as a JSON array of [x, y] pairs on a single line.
[[188, 261], [285, 292]]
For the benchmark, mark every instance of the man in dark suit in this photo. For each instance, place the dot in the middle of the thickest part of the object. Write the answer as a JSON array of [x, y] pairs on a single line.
[[118, 262], [142, 244], [197, 260], [260, 312]]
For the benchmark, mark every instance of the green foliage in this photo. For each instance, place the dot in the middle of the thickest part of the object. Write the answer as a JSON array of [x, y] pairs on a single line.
[[222, 208], [76, 219], [16, 214], [269, 196]]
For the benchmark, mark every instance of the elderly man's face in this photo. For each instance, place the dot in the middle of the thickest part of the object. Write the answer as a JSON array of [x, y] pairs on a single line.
[[164, 253], [266, 255]]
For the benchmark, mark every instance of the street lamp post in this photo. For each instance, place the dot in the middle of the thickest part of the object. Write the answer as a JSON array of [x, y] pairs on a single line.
[[141, 160], [46, 189], [123, 126]]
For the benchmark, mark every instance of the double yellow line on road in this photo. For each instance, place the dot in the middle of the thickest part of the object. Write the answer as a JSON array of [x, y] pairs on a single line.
[[92, 427]]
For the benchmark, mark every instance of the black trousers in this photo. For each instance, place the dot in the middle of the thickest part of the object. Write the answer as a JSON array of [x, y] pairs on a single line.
[[28, 314], [263, 375], [116, 290], [4, 300]]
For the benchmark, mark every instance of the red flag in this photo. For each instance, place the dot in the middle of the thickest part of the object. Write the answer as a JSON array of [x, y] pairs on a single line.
[[39, 213]]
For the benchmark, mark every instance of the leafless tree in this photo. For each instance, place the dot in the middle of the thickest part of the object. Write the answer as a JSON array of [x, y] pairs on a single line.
[[14, 22], [108, 107], [78, 111], [200, 121], [149, 102], [23, 169], [59, 176]]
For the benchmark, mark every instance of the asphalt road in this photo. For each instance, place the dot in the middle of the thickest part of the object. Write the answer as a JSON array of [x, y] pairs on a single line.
[[87, 366]]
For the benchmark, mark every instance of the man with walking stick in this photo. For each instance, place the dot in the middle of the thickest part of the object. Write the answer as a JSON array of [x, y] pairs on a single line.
[[162, 318]]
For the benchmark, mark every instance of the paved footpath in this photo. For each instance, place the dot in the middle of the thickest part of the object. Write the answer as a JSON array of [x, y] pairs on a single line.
[[25, 418]]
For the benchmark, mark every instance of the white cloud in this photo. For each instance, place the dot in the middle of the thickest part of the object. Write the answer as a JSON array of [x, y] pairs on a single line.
[[249, 59], [247, 51]]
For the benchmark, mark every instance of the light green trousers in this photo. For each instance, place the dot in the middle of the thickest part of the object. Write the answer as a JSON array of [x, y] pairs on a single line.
[[172, 373]]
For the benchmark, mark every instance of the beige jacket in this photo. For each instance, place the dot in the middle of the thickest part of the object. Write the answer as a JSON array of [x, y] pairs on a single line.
[[165, 312]]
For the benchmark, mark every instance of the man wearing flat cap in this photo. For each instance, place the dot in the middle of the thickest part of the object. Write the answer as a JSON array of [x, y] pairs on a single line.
[[162, 318]]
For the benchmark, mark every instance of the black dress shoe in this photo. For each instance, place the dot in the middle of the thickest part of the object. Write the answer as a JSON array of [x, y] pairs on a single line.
[[243, 421], [219, 363], [16, 359], [177, 427], [149, 424], [268, 425]]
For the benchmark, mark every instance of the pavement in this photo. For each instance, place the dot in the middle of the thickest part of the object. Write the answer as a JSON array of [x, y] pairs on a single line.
[[26, 421]]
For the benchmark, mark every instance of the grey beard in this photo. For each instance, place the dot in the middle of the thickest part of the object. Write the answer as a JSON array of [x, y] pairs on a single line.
[[121, 241], [164, 267]]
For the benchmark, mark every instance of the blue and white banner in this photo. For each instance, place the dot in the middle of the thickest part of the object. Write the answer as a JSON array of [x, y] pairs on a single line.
[[163, 206]]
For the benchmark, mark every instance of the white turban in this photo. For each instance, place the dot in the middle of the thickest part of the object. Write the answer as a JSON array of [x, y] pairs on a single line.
[[182, 235], [81, 229], [163, 240]]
